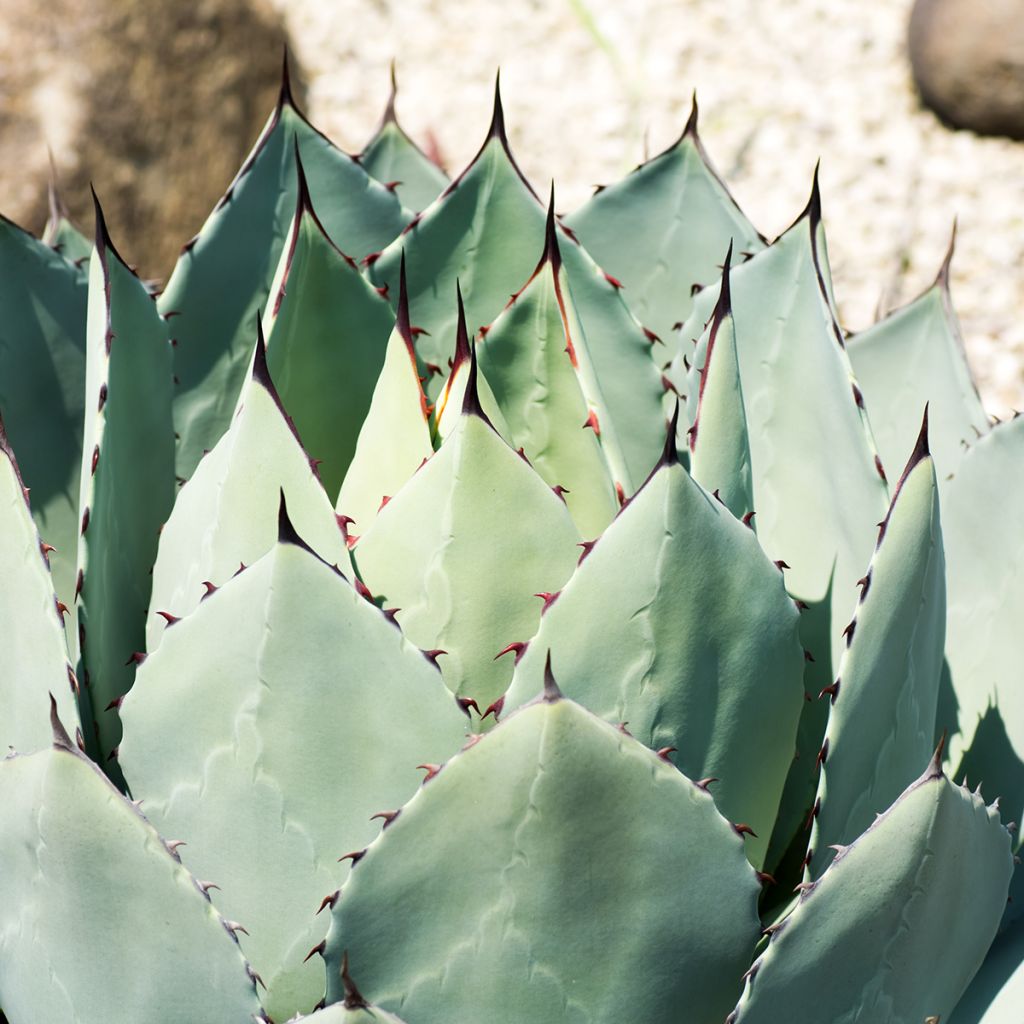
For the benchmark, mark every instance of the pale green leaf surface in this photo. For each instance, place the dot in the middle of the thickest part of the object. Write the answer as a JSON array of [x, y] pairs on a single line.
[[392, 157], [42, 388], [223, 277], [912, 358], [268, 728], [583, 881], [32, 646], [127, 480], [463, 548], [663, 229], [227, 513], [897, 926], [882, 723], [99, 923], [696, 646]]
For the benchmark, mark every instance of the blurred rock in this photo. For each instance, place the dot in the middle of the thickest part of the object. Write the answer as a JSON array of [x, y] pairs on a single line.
[[155, 102], [968, 62]]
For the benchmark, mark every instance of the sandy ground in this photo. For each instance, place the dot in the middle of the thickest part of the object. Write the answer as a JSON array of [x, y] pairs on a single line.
[[590, 84]]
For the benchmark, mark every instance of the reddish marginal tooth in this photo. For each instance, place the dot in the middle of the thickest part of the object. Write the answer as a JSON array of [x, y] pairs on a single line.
[[494, 709], [823, 753], [716, 493], [434, 370], [815, 811], [592, 422], [317, 950], [95, 459], [652, 337], [430, 769], [588, 546], [561, 491], [417, 331], [613, 281], [173, 844], [344, 521], [678, 325], [472, 741], [79, 738], [112, 756], [355, 856], [667, 385], [46, 548], [881, 471], [808, 656], [748, 518], [548, 598], [620, 493], [382, 291], [765, 879], [704, 783], [387, 816], [832, 690], [742, 829], [73, 681], [329, 901], [803, 887], [368, 261], [434, 653], [210, 589], [207, 886], [848, 632], [115, 704], [351, 540], [521, 452], [362, 589], [391, 185], [781, 565], [517, 645], [391, 614], [169, 618], [663, 753], [622, 728], [383, 501], [62, 609], [466, 703], [801, 605], [255, 978]]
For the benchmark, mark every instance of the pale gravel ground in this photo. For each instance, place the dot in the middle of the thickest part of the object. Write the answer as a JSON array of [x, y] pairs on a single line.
[[780, 82]]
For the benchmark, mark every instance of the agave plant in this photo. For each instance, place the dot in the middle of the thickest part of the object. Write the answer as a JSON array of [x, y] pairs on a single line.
[[696, 688]]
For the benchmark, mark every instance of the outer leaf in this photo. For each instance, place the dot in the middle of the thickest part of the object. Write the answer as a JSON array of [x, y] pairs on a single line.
[[908, 911], [663, 229], [226, 515], [303, 693], [393, 158], [485, 231], [582, 879], [394, 439], [818, 487], [985, 586], [886, 692], [98, 919], [224, 275], [914, 357], [997, 991], [463, 549], [696, 646], [127, 478], [327, 330], [537, 362], [42, 387], [35, 655], [719, 446]]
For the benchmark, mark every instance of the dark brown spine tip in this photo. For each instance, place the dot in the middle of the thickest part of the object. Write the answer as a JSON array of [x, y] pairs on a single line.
[[670, 453], [551, 691], [552, 253], [723, 307], [286, 532], [353, 998], [497, 127], [61, 739], [462, 349], [471, 400], [934, 769], [260, 370], [690, 131], [402, 322], [104, 243], [304, 203], [285, 97], [390, 117]]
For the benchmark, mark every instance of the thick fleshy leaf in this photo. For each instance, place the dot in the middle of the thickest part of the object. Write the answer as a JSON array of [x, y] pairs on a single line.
[[696, 646], [662, 230], [226, 515], [996, 994], [899, 923], [981, 526], [339, 1013], [224, 275], [42, 387], [882, 721], [818, 487], [268, 728], [127, 479], [582, 878], [719, 446], [327, 329], [464, 550], [394, 159], [35, 654], [484, 232], [395, 437], [912, 358], [99, 921], [536, 359]]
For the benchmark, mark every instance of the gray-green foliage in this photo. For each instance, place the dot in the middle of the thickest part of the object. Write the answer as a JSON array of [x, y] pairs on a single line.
[[388, 545]]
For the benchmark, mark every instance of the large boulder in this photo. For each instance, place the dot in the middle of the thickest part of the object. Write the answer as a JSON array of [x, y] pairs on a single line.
[[968, 62], [156, 102]]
